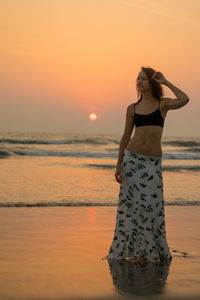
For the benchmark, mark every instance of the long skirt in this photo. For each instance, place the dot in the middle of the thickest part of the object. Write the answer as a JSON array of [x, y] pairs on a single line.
[[140, 220]]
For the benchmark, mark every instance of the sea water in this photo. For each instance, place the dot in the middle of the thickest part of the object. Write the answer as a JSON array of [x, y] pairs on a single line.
[[49, 169]]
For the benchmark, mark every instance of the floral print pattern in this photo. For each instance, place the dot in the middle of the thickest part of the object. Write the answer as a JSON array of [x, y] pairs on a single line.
[[140, 220]]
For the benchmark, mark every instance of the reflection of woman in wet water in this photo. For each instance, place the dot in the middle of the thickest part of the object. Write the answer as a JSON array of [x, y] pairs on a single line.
[[140, 233], [138, 278]]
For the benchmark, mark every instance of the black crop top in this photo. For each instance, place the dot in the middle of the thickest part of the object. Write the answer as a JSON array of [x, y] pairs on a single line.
[[155, 118]]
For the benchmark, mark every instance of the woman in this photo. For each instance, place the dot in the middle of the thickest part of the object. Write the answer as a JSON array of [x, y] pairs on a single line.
[[140, 233]]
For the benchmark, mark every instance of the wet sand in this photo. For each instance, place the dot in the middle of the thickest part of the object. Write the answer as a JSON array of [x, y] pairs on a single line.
[[56, 253]]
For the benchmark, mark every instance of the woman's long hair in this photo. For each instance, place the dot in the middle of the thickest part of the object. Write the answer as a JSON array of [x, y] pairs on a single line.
[[155, 86]]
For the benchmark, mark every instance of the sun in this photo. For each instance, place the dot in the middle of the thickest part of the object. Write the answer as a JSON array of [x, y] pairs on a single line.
[[93, 117]]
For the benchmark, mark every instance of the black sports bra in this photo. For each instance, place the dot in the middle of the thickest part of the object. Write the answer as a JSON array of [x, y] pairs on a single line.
[[155, 118]]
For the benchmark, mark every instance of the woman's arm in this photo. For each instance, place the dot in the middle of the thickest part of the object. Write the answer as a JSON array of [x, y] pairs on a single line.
[[169, 103], [123, 143], [127, 133], [129, 125], [180, 101]]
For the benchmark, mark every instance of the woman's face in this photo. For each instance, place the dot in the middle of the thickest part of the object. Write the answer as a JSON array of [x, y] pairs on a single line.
[[142, 81]]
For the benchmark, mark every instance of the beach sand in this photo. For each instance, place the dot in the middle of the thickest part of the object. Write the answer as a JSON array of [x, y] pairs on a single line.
[[56, 253]]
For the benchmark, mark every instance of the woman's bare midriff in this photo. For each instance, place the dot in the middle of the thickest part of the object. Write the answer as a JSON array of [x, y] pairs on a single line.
[[146, 141]]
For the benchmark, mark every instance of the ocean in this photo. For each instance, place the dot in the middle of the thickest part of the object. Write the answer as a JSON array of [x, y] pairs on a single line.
[[50, 169]]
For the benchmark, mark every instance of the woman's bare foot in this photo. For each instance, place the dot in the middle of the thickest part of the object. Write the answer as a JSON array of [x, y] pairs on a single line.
[[142, 259]]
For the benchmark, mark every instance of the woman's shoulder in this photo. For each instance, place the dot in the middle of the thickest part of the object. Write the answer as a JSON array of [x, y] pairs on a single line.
[[131, 105], [131, 108]]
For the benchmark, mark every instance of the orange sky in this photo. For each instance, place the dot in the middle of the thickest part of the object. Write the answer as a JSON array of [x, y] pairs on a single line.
[[64, 59]]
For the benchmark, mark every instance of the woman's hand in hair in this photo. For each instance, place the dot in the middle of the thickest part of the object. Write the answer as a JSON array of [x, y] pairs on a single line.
[[159, 77]]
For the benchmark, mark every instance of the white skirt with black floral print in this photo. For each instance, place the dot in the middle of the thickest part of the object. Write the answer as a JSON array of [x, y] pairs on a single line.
[[140, 221]]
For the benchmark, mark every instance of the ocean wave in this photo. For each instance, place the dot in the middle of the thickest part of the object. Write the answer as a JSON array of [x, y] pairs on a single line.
[[65, 154], [4, 153], [193, 149], [183, 203], [188, 143], [179, 168], [100, 166], [181, 156], [100, 154], [79, 204], [92, 140], [53, 204], [164, 168]]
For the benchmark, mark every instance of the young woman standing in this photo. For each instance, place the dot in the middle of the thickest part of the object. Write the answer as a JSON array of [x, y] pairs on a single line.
[[140, 233]]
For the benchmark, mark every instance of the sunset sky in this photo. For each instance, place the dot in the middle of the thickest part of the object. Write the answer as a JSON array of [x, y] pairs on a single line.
[[62, 60]]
